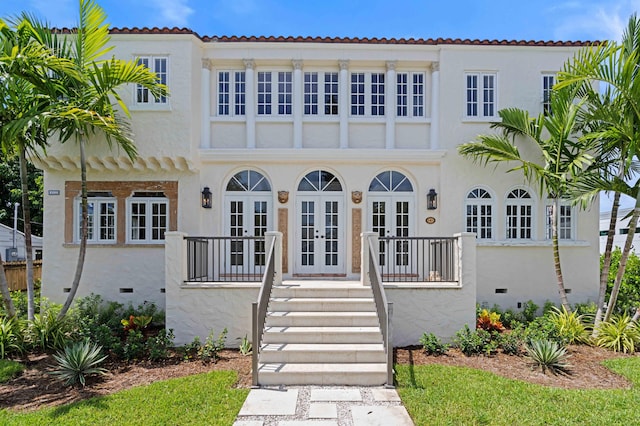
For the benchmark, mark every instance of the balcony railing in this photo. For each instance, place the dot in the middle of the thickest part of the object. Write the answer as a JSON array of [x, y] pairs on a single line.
[[225, 259], [418, 259]]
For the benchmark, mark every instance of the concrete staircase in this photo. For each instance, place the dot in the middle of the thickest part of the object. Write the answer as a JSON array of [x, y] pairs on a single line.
[[322, 333]]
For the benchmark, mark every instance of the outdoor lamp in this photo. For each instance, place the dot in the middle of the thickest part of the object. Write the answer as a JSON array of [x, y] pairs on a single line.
[[206, 198], [432, 199]]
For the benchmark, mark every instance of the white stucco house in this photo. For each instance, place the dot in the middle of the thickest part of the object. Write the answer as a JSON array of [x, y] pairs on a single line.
[[622, 229], [12, 244], [343, 150]]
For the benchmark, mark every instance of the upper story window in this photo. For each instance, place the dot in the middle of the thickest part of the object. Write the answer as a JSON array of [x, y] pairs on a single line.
[[565, 221], [147, 217], [480, 95], [159, 65], [410, 94], [283, 88], [231, 92], [101, 219], [519, 214], [321, 93], [548, 80], [479, 213], [367, 94]]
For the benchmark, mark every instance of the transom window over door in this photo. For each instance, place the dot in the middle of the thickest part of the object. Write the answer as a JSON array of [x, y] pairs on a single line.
[[320, 224], [390, 215], [248, 214], [519, 214], [479, 213]]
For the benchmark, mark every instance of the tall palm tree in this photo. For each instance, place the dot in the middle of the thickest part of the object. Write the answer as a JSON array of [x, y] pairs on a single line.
[[88, 105], [617, 66], [559, 158]]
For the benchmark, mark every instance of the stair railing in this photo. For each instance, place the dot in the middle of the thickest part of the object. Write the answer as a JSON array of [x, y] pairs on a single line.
[[383, 308], [259, 309]]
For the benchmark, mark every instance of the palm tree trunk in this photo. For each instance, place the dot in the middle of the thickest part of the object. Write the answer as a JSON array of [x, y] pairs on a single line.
[[613, 298], [83, 233], [556, 254], [28, 247], [6, 294], [606, 263]]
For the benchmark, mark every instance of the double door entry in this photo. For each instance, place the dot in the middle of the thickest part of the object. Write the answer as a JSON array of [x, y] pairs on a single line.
[[320, 235]]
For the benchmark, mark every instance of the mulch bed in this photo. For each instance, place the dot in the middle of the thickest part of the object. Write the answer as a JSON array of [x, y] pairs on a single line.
[[36, 388]]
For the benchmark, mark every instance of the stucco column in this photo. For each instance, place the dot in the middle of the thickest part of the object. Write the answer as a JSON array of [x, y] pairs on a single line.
[[434, 133], [250, 102], [365, 254], [269, 237], [205, 136], [343, 106], [175, 273], [466, 260], [390, 105], [297, 103]]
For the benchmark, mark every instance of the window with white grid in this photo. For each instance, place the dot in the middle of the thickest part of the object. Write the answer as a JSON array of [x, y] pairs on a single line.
[[285, 89], [480, 95], [231, 93], [264, 93], [565, 221], [357, 93], [519, 214], [310, 93], [479, 213], [377, 94], [320, 93], [147, 218], [101, 219], [548, 80], [410, 94], [367, 94], [158, 65]]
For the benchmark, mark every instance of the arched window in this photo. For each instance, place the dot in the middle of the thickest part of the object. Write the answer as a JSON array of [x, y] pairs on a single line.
[[390, 181], [320, 181], [519, 214], [479, 213], [248, 180]]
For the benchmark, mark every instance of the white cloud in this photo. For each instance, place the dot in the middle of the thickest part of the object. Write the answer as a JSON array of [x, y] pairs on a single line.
[[599, 21], [173, 13]]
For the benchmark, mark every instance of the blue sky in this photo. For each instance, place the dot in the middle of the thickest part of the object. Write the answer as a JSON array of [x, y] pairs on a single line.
[[482, 19]]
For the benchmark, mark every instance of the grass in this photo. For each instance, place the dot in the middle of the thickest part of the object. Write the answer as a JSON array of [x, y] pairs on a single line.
[[442, 395], [201, 399], [9, 369]]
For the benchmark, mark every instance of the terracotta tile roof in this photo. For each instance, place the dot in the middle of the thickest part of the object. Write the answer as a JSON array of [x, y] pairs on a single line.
[[345, 40]]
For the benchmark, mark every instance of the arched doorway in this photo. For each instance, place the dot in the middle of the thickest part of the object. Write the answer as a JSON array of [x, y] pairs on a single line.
[[320, 224]]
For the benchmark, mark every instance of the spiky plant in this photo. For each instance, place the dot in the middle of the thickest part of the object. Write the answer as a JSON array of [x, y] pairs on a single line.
[[548, 356], [620, 334], [570, 325], [78, 360]]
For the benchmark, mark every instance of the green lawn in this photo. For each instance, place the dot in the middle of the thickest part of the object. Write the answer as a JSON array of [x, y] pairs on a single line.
[[9, 369], [441, 395], [202, 399]]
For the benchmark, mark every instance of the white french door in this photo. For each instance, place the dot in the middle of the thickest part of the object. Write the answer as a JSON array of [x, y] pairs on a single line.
[[248, 216], [320, 234], [392, 217]]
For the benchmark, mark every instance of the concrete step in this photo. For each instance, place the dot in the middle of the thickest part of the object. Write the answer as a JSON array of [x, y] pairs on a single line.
[[313, 304], [351, 335], [322, 319], [362, 374], [328, 291], [322, 353]]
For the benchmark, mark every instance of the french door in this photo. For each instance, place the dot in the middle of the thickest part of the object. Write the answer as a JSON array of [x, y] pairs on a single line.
[[247, 217], [320, 234], [392, 217]]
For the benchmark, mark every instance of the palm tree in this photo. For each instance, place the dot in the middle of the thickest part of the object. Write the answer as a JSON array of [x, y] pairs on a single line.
[[88, 106], [616, 65], [560, 156]]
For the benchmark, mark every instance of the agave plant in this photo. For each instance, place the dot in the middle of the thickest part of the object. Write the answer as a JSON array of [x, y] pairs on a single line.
[[548, 355], [77, 360], [620, 334]]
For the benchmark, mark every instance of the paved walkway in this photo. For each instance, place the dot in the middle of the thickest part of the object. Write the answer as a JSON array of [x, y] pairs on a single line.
[[323, 405]]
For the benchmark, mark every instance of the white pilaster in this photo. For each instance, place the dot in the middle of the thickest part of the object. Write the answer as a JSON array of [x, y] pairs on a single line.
[[435, 105], [343, 106], [205, 133], [250, 106], [297, 103], [390, 105]]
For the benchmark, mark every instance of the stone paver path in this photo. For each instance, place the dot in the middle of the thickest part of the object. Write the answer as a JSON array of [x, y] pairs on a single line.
[[322, 405]]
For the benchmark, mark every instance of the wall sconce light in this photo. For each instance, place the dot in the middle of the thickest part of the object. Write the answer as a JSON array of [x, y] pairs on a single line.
[[205, 198], [432, 199]]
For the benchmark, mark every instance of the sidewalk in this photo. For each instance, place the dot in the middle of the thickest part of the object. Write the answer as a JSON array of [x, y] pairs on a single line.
[[323, 405]]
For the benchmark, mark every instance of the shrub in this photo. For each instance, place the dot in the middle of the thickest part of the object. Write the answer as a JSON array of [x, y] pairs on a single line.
[[433, 345], [158, 346], [136, 322], [79, 359], [489, 321], [511, 342], [475, 342], [133, 347], [209, 351], [548, 355], [542, 328], [620, 334], [11, 337], [529, 312], [190, 350], [569, 325], [47, 331]]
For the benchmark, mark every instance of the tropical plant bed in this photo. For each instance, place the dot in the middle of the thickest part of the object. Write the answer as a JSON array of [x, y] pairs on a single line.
[[35, 388]]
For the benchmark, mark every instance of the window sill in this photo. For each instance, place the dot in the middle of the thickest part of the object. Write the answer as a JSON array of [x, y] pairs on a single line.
[[150, 107], [115, 245], [531, 243], [472, 120]]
